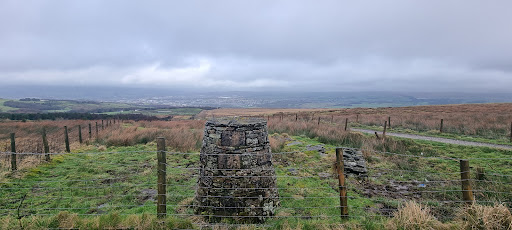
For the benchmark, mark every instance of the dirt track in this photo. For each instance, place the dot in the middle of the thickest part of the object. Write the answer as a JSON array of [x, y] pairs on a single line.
[[437, 139]]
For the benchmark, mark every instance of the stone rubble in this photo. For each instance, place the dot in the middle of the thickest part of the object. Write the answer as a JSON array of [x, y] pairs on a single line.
[[354, 163]]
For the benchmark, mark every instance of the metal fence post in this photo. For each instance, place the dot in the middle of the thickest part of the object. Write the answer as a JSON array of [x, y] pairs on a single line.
[[341, 179], [161, 208]]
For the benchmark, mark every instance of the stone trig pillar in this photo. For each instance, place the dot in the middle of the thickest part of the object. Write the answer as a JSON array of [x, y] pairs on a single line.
[[237, 178]]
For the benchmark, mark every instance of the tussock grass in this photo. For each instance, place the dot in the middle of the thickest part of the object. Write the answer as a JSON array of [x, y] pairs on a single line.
[[485, 217], [67, 220], [478, 120], [329, 134], [182, 135], [413, 216]]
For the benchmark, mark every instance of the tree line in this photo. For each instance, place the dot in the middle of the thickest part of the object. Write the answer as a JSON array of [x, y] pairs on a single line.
[[79, 116]]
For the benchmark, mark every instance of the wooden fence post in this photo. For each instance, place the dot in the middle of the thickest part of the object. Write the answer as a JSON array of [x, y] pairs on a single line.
[[510, 131], [80, 134], [102, 127], [13, 153], [96, 129], [384, 132], [480, 173], [161, 208], [467, 192], [318, 120], [340, 169], [297, 117], [441, 128], [332, 118], [90, 131], [346, 124], [66, 139], [389, 122], [45, 146], [357, 118]]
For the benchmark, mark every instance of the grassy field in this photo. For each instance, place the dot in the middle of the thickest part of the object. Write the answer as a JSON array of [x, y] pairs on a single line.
[[111, 108], [115, 187], [184, 135], [490, 123], [161, 112], [4, 108], [229, 112]]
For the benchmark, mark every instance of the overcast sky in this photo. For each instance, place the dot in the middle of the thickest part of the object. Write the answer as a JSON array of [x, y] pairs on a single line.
[[429, 45]]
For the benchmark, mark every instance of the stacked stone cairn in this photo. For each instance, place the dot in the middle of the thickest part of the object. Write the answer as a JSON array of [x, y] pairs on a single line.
[[237, 179]]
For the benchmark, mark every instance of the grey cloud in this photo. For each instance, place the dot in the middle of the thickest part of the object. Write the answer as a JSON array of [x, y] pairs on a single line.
[[312, 45]]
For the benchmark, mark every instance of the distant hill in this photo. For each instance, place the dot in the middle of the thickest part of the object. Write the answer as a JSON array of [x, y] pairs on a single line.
[[35, 105], [87, 98]]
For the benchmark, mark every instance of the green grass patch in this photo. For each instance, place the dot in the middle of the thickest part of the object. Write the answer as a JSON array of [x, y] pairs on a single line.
[[4, 108], [120, 187]]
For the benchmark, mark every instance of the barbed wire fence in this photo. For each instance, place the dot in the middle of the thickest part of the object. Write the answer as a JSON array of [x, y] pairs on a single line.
[[164, 183]]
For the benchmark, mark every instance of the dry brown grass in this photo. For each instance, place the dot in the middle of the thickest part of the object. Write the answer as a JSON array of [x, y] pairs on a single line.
[[335, 135], [67, 220], [181, 135], [484, 120], [277, 142], [413, 216], [485, 217], [185, 135], [28, 134], [487, 120], [229, 112]]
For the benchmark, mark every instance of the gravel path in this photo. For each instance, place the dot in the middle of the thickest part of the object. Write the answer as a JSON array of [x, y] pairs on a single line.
[[437, 139]]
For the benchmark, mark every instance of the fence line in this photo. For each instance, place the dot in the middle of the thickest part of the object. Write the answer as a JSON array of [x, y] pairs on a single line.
[[115, 190]]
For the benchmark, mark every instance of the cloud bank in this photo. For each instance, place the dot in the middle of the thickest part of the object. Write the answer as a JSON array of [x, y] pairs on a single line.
[[327, 45]]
